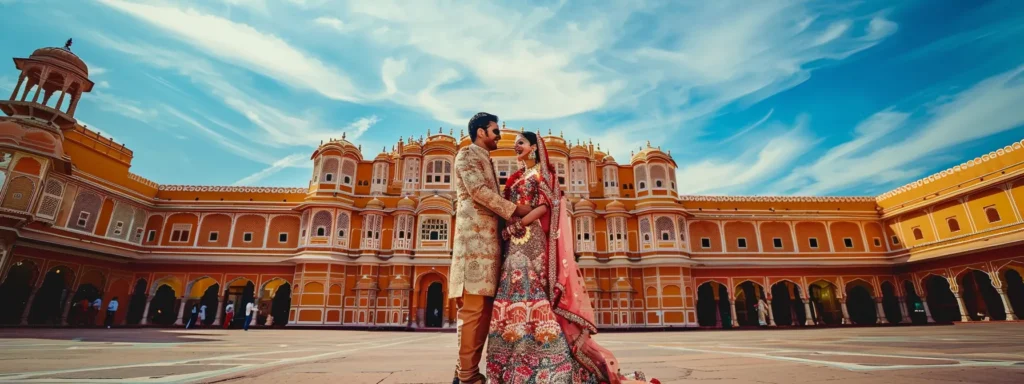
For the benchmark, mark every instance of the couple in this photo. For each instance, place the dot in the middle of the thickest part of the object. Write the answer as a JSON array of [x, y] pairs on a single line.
[[525, 299]]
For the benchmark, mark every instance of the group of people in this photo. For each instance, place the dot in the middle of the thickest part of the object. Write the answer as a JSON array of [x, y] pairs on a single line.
[[514, 276], [88, 311], [197, 317]]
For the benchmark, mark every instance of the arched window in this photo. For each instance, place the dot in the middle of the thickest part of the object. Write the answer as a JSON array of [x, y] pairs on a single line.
[[434, 229], [992, 214], [560, 171], [439, 171], [411, 175], [348, 172], [322, 223], [328, 170], [641, 177], [954, 226], [658, 176], [918, 235]]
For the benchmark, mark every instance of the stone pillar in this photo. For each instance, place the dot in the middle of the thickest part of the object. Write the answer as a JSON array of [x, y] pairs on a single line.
[[42, 82], [732, 311], [881, 312], [963, 308], [1010, 316], [74, 104], [771, 315], [927, 311], [145, 311], [63, 92], [809, 320], [846, 313], [21, 80], [67, 309], [28, 305], [903, 311], [220, 311], [181, 311], [28, 87]]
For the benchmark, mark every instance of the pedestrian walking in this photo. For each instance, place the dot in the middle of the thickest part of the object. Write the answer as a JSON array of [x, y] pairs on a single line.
[[250, 312], [111, 311], [229, 314]]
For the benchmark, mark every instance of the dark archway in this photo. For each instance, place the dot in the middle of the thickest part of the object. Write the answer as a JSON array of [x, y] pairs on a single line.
[[787, 304], [980, 297], [891, 303], [941, 301], [282, 304], [435, 306], [239, 295], [1015, 291], [914, 305], [713, 305], [14, 291], [163, 309], [747, 296], [860, 304], [825, 303], [138, 302], [209, 299], [78, 315], [48, 305]]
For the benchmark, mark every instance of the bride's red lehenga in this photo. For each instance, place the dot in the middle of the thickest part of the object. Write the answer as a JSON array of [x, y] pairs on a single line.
[[542, 318]]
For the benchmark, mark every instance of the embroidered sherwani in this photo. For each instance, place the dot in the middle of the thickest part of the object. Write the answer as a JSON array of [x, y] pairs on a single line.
[[476, 254]]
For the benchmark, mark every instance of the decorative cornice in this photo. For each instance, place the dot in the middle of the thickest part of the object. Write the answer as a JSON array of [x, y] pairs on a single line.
[[777, 199], [230, 189], [143, 180], [951, 171]]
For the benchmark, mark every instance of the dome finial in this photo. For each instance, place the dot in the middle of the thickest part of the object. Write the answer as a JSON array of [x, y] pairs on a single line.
[[648, 143], [343, 134], [451, 132], [502, 125]]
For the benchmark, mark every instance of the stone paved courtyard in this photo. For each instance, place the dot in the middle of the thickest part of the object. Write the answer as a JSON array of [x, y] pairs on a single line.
[[964, 353]]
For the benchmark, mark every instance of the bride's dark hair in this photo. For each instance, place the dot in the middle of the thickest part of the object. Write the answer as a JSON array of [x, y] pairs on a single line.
[[532, 138]]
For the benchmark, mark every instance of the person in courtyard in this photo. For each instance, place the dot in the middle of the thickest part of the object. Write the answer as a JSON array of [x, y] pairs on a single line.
[[82, 319], [111, 311], [202, 315], [192, 316], [762, 312], [229, 313], [250, 312], [476, 250], [542, 319], [94, 311]]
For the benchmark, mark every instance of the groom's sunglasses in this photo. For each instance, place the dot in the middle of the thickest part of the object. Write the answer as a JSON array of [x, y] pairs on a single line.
[[497, 133]]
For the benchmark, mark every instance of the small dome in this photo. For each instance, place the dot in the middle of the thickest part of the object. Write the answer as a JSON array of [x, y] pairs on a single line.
[[375, 203], [61, 57], [406, 202], [584, 205], [608, 159], [383, 156], [579, 151], [616, 206]]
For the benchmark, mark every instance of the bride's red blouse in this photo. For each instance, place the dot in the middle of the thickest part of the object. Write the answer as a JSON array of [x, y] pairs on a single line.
[[525, 190]]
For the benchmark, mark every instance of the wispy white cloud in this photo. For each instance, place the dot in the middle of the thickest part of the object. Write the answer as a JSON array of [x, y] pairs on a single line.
[[331, 22], [219, 139], [103, 84], [875, 156], [243, 45], [761, 162], [122, 106], [290, 161]]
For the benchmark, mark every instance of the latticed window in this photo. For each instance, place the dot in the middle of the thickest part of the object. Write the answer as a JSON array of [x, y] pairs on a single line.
[[51, 199], [560, 170], [617, 233], [348, 172], [579, 175], [665, 229], [645, 230], [681, 228], [372, 229], [302, 225], [342, 229], [411, 174], [504, 168], [439, 171], [329, 170], [322, 224], [658, 176], [403, 232], [641, 177], [380, 178], [434, 229]]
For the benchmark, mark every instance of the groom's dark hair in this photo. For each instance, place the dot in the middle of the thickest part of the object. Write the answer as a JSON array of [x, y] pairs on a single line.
[[480, 120]]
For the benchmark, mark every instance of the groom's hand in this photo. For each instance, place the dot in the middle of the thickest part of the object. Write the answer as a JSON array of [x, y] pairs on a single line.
[[522, 210]]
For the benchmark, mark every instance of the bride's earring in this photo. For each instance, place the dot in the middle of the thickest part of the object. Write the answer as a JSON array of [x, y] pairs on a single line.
[[533, 155]]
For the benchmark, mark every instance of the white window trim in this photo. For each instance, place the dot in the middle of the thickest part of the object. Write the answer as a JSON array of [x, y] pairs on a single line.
[[318, 229], [212, 234], [249, 234], [341, 172], [419, 229], [895, 240], [428, 160], [781, 244], [118, 228], [151, 235], [285, 234], [83, 219], [816, 242], [181, 228], [702, 246], [745, 244], [877, 241]]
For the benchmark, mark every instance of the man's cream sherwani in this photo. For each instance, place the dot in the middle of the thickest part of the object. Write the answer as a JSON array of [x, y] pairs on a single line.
[[476, 253]]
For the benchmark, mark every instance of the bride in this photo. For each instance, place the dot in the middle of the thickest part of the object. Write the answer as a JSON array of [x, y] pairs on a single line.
[[542, 318]]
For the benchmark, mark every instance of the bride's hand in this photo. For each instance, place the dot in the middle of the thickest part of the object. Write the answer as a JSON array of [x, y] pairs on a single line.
[[535, 214]]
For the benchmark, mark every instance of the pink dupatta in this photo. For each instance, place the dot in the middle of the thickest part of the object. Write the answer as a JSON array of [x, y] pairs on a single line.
[[566, 290]]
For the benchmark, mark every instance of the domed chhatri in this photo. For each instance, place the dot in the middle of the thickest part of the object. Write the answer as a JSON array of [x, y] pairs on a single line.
[[407, 203], [61, 57]]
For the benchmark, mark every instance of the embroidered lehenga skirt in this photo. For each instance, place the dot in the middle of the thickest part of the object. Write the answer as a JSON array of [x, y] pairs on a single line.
[[525, 344]]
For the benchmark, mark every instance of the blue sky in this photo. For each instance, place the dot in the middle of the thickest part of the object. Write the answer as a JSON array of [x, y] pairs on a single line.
[[767, 97]]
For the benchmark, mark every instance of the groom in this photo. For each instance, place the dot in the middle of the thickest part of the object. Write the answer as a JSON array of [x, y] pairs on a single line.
[[476, 254]]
